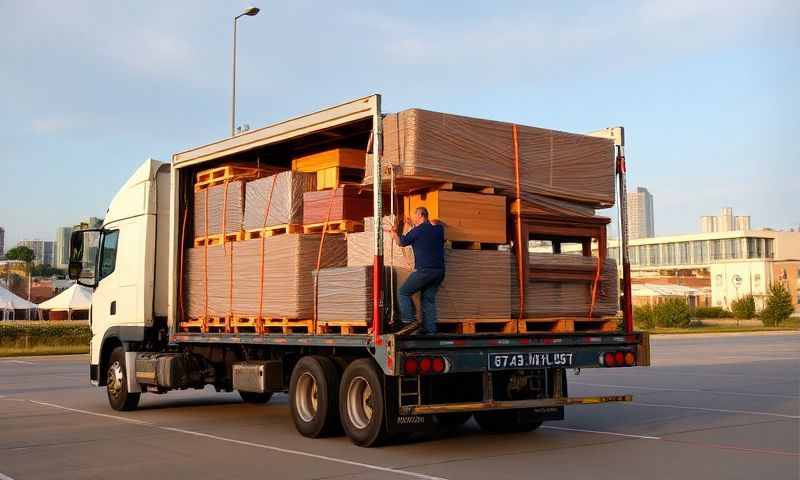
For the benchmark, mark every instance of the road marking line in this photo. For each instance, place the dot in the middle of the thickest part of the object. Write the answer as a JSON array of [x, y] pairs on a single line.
[[720, 410], [645, 437], [23, 362], [793, 397], [5, 477], [733, 447], [246, 443]]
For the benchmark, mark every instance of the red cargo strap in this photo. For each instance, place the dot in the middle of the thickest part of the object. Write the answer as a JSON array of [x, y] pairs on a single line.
[[521, 273]]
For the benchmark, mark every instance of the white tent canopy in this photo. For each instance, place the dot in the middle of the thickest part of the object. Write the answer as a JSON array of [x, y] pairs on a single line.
[[76, 297], [10, 302]]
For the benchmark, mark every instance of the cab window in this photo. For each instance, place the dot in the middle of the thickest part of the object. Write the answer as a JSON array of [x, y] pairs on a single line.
[[108, 255]]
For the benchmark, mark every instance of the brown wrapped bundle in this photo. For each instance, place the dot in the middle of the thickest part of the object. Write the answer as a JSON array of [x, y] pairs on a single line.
[[289, 262], [348, 203], [286, 206], [452, 148], [360, 249], [476, 285], [225, 207], [194, 282], [570, 298], [346, 293]]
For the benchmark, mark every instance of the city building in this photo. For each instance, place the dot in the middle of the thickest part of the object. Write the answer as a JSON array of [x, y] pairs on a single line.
[[718, 266], [2, 242], [63, 235], [91, 222], [725, 222], [42, 250], [641, 223]]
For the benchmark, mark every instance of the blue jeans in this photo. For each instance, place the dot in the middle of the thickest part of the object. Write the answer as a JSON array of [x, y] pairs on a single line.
[[426, 281]]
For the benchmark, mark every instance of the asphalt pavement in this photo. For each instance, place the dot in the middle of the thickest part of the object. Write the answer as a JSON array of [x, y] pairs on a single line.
[[721, 406]]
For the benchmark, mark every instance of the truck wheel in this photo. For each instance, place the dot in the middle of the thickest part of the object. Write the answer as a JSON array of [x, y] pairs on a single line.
[[117, 383], [255, 397], [505, 421], [452, 420], [312, 396], [361, 404]]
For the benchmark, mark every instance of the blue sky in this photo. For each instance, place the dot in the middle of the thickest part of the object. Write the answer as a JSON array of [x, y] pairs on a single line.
[[706, 90]]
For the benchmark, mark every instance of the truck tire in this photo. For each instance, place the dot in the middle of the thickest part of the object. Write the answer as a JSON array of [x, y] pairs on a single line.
[[313, 397], [506, 421], [255, 397], [361, 404], [453, 420], [117, 383]]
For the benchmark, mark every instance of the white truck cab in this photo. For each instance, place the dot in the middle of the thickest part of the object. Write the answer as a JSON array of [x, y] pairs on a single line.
[[131, 249]]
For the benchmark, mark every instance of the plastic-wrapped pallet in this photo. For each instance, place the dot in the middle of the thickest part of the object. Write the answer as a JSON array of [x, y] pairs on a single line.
[[289, 263], [202, 264], [476, 285], [223, 205], [451, 148], [286, 205], [569, 298], [346, 293]]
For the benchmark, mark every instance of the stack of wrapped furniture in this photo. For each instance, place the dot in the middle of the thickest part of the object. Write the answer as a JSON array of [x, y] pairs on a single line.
[[345, 294], [285, 199], [222, 205], [345, 203], [561, 285], [566, 172]]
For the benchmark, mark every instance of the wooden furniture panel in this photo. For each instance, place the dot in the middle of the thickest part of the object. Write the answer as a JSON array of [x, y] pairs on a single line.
[[467, 217], [338, 157]]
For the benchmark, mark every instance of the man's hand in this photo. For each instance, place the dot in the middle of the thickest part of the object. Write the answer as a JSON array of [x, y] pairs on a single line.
[[409, 222]]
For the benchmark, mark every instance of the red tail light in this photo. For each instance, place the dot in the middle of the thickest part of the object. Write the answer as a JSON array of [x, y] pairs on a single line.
[[619, 358], [608, 359], [410, 366], [630, 359], [425, 365], [438, 365]]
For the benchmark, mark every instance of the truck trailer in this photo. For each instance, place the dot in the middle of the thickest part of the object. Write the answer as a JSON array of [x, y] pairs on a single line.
[[370, 383]]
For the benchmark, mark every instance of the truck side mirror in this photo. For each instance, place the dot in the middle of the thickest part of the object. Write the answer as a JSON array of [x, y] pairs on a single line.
[[83, 247]]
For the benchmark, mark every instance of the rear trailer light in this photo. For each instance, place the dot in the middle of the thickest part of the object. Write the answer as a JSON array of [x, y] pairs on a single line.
[[608, 359], [410, 366], [619, 358], [425, 365], [438, 365], [630, 359]]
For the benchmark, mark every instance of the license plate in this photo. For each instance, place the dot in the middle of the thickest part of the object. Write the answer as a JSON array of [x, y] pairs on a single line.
[[505, 361]]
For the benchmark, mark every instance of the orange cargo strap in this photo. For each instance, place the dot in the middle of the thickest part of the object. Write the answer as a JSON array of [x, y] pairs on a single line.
[[319, 257], [601, 257], [520, 272], [259, 318], [230, 257]]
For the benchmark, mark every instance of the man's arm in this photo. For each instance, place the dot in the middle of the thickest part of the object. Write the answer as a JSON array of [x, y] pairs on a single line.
[[404, 240]]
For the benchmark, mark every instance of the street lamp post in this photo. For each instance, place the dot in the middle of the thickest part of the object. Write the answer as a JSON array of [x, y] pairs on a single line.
[[250, 12]]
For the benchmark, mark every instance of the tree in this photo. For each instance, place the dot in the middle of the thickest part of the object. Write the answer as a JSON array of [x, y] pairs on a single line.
[[20, 253], [779, 306], [744, 308]]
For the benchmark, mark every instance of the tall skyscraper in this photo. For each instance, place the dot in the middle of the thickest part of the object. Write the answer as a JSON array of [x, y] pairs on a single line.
[[62, 247], [742, 222], [726, 220], [2, 241], [641, 223]]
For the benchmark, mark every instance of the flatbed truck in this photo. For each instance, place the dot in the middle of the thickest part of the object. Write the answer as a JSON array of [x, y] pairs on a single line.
[[373, 387]]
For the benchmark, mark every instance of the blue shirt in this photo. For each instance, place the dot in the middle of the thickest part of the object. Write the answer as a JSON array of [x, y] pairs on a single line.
[[427, 240]]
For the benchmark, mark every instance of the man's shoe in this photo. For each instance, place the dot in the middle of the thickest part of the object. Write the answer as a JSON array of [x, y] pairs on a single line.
[[407, 327]]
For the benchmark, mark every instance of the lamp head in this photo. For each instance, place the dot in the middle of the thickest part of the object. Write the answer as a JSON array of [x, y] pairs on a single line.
[[251, 11]]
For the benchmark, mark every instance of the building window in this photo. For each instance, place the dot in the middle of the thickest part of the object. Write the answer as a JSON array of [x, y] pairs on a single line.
[[757, 281], [718, 280], [768, 252]]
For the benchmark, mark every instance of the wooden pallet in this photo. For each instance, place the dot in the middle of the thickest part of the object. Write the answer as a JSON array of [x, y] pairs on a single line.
[[476, 325], [272, 231], [555, 325], [215, 324], [342, 328], [336, 226], [459, 245], [219, 175], [597, 324], [286, 325], [192, 325], [212, 240]]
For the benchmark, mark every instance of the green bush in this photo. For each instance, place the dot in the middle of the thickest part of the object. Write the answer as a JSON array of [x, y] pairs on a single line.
[[31, 334], [778, 307], [710, 312], [643, 316], [672, 313], [744, 307]]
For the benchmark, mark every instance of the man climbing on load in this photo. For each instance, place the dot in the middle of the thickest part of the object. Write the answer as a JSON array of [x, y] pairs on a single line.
[[427, 241]]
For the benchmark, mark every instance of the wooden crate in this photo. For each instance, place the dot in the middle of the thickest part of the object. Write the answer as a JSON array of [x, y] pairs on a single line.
[[338, 157], [333, 177], [466, 216]]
